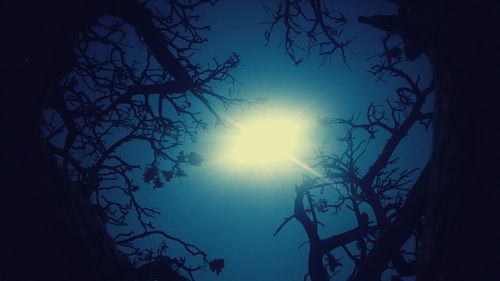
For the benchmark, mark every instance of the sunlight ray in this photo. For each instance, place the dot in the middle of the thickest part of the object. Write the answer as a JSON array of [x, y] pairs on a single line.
[[304, 166]]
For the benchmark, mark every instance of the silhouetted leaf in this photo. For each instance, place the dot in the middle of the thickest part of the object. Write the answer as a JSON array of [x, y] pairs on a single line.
[[180, 173], [216, 265], [181, 157], [150, 173], [195, 159], [157, 183], [168, 175]]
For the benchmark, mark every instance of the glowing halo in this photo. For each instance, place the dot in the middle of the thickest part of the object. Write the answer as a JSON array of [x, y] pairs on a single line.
[[267, 142]]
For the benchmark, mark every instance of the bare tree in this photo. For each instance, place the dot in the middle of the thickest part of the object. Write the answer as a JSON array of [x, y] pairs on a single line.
[[457, 44], [134, 81], [41, 207], [377, 195], [308, 25]]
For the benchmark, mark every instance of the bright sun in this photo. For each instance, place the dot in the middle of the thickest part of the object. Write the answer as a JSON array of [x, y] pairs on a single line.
[[265, 142], [269, 142]]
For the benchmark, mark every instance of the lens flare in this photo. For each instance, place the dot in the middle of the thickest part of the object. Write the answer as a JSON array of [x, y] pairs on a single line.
[[267, 142]]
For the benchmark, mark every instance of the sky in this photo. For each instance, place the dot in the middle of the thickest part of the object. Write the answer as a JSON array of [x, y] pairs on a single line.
[[232, 212]]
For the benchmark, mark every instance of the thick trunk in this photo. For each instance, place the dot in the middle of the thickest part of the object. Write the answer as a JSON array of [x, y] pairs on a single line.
[[50, 232], [462, 42], [462, 239]]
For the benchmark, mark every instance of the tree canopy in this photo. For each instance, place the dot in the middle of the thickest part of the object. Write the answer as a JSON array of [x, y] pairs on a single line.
[[76, 93]]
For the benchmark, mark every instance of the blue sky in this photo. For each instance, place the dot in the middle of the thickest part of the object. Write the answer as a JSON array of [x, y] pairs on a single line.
[[233, 212]]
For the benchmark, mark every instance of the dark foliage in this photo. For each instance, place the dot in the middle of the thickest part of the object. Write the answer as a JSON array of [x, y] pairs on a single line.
[[133, 81], [383, 191], [114, 74], [52, 231], [448, 196]]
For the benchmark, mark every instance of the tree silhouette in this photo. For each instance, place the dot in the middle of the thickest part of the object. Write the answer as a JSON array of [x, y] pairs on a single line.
[[450, 194], [127, 76], [308, 25], [127, 86], [53, 232], [374, 195]]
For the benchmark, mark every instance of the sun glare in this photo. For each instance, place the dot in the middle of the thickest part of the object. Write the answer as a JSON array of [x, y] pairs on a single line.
[[266, 142], [269, 144]]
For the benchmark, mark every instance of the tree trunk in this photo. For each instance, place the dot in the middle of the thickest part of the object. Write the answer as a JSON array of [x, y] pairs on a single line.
[[49, 231], [462, 239], [461, 39]]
